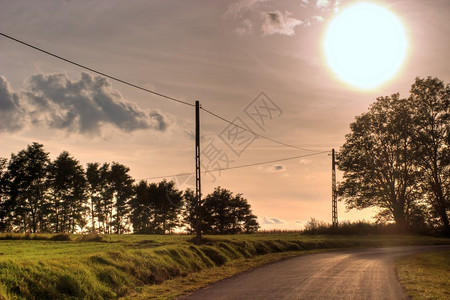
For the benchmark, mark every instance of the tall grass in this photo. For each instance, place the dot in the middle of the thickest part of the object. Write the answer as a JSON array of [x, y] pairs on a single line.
[[314, 226]]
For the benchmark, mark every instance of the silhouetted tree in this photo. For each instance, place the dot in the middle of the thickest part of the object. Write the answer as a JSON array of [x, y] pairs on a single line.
[[156, 208], [68, 185], [430, 104], [39, 195], [142, 215], [168, 203], [106, 201], [189, 211], [121, 188], [377, 160], [224, 213], [5, 203], [28, 173], [96, 184]]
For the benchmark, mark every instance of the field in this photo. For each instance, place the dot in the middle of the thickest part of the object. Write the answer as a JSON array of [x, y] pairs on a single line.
[[143, 266], [426, 276]]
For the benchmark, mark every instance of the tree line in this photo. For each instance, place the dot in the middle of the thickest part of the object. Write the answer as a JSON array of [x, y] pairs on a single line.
[[61, 196], [397, 158]]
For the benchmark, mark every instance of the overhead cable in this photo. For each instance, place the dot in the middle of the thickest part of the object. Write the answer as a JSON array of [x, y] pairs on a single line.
[[257, 134], [239, 166], [97, 72]]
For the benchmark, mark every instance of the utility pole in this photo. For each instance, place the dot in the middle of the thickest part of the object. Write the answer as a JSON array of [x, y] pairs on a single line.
[[333, 191], [198, 190]]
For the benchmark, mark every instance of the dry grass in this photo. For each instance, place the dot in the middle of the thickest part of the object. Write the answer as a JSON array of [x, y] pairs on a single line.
[[426, 276]]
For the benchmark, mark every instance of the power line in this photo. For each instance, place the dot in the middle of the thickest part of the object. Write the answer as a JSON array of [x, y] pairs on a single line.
[[95, 71], [257, 134], [153, 92], [239, 166], [148, 91]]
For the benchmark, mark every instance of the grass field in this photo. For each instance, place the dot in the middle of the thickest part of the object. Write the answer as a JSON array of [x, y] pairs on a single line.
[[142, 266], [426, 276]]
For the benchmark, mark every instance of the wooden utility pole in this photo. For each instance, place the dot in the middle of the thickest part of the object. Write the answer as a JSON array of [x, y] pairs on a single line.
[[198, 189], [333, 191]]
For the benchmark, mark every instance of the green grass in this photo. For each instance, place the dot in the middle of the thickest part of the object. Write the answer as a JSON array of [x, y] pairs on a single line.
[[426, 276], [144, 266]]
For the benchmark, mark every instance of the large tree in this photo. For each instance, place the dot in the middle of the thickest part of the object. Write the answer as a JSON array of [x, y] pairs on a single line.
[[224, 213], [142, 215], [156, 207], [98, 192], [169, 202], [377, 161], [27, 173], [68, 185], [121, 188], [190, 208], [5, 203], [430, 104]]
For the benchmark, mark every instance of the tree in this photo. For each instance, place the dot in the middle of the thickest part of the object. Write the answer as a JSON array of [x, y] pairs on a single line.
[[96, 184], [5, 203], [105, 206], [156, 208], [141, 210], [68, 185], [377, 161], [27, 173], [168, 204], [430, 103], [121, 188], [224, 213], [189, 210]]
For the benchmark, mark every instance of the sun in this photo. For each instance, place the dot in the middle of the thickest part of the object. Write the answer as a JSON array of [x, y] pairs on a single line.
[[365, 45]]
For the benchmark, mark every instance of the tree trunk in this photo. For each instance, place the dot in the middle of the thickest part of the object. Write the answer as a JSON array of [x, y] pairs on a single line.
[[399, 217], [441, 206]]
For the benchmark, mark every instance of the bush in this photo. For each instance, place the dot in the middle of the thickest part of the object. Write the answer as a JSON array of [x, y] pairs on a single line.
[[63, 237], [314, 226], [91, 237]]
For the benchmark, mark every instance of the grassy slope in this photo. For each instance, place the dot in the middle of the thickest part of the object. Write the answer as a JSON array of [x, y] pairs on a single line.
[[136, 266], [426, 276]]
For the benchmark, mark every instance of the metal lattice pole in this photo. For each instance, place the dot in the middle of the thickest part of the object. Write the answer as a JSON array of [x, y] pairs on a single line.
[[334, 192], [198, 190]]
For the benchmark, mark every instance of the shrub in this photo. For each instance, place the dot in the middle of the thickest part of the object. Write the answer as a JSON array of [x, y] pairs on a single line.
[[63, 237]]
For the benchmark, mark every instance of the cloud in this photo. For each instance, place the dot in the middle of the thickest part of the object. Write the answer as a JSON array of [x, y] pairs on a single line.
[[239, 7], [318, 18], [305, 161], [85, 106], [245, 27], [277, 168], [12, 113], [322, 3], [270, 221], [300, 223], [277, 22], [337, 4]]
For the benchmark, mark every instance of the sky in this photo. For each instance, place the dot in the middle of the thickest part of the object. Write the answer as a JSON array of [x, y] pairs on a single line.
[[260, 64]]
